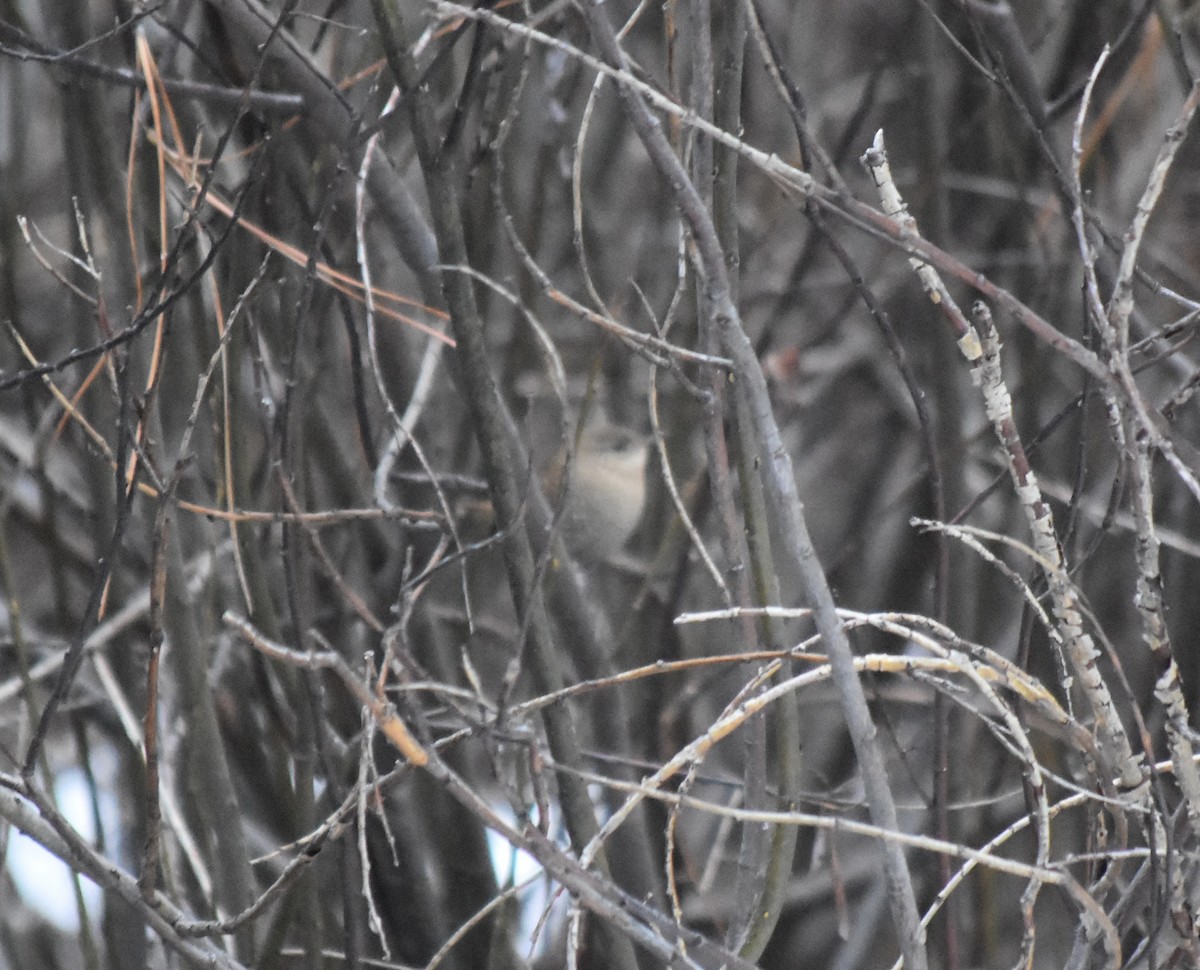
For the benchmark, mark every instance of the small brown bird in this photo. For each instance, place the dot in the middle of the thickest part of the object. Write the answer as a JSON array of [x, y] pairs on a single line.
[[607, 491], [605, 500]]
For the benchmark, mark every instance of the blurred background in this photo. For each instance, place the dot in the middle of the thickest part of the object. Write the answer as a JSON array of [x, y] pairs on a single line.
[[226, 384]]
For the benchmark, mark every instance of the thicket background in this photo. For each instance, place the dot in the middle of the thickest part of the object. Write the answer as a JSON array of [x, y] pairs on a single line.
[[220, 444]]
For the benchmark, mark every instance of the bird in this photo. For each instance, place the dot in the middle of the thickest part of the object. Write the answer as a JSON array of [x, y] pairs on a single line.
[[607, 490], [604, 499]]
